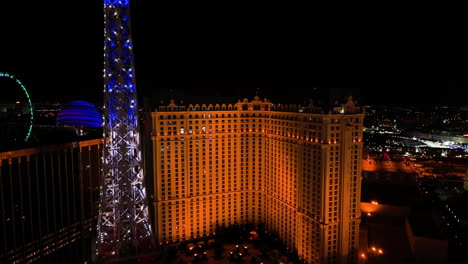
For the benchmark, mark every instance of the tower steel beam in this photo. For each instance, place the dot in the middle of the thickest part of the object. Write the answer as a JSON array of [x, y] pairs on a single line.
[[124, 230]]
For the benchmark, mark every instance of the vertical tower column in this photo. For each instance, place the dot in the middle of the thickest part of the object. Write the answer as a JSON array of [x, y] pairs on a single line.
[[124, 230]]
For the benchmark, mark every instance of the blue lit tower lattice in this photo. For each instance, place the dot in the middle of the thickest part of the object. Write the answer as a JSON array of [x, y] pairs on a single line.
[[124, 230]]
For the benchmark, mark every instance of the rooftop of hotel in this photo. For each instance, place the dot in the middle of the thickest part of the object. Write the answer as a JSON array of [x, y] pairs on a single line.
[[347, 107]]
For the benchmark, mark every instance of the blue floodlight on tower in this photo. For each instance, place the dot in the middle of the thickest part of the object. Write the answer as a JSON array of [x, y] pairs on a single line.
[[124, 230]]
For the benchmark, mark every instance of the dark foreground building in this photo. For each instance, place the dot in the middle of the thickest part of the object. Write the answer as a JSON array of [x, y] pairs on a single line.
[[48, 204]]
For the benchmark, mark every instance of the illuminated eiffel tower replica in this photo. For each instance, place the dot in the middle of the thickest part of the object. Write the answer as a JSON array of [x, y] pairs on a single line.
[[124, 230]]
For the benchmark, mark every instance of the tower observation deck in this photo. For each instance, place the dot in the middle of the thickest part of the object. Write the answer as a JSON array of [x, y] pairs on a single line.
[[124, 231]]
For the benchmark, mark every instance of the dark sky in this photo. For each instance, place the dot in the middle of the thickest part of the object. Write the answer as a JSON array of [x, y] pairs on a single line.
[[399, 56]]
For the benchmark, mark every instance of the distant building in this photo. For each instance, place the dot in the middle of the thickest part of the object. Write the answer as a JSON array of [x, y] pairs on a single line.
[[295, 169], [14, 122]]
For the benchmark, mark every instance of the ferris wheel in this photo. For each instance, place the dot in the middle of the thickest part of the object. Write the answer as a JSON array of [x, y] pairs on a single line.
[[30, 107]]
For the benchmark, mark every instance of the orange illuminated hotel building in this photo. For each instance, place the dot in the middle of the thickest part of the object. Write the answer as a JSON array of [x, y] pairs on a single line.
[[294, 169]]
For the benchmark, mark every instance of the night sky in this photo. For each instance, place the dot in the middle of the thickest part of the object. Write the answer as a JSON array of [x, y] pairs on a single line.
[[393, 58]]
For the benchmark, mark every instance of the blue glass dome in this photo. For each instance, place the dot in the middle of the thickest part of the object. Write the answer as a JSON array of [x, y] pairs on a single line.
[[79, 114]]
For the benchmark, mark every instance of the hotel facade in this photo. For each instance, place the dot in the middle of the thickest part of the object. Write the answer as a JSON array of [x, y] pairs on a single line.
[[296, 170]]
